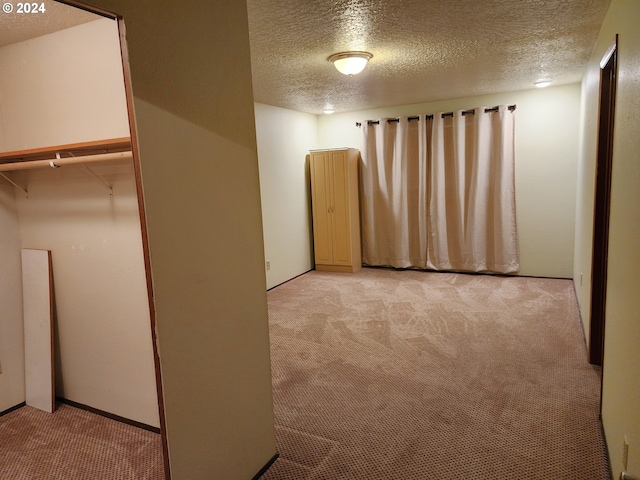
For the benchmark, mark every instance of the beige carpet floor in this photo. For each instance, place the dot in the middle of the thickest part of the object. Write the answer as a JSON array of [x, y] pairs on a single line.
[[413, 375], [73, 444]]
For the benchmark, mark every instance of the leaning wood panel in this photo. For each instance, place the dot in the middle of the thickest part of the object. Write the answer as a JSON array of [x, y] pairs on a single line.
[[37, 294]]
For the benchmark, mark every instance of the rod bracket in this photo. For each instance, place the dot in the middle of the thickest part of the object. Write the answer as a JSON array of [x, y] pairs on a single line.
[[26, 193], [105, 184]]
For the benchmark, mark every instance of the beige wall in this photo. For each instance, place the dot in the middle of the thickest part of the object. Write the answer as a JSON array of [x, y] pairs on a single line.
[[191, 77], [53, 73], [62, 88], [621, 381], [546, 151], [11, 330], [104, 355], [284, 139]]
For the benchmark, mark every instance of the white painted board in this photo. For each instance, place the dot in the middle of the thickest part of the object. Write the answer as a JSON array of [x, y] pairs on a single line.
[[37, 298]]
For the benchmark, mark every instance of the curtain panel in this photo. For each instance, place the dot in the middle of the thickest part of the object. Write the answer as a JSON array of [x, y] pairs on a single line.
[[440, 194], [394, 193]]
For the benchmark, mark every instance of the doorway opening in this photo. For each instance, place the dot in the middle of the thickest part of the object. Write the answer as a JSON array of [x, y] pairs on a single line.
[[608, 77], [92, 222]]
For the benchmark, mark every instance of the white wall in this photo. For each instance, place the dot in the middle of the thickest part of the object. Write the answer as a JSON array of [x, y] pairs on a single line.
[[64, 88], [11, 325], [621, 382], [284, 139], [546, 151]]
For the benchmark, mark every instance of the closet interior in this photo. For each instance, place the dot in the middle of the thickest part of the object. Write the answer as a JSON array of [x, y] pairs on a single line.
[[67, 186]]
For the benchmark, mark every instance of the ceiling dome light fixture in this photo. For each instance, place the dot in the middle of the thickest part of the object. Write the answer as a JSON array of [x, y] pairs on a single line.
[[542, 83], [350, 63]]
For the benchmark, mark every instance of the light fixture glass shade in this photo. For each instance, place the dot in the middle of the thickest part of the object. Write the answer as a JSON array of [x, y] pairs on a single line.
[[350, 63], [542, 83]]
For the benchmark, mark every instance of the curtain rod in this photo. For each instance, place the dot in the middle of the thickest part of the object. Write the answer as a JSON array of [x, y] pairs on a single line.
[[58, 161], [472, 111]]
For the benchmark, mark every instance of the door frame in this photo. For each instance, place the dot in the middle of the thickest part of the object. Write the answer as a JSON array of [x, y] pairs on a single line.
[[143, 222], [602, 201]]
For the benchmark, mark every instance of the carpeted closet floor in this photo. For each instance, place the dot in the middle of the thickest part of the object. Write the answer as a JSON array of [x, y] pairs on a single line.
[[73, 444]]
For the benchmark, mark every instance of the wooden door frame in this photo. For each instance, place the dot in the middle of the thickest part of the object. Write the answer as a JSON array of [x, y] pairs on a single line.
[[602, 200], [143, 222]]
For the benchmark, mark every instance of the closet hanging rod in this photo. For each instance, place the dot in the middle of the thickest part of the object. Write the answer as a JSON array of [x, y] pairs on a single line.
[[106, 145], [59, 162]]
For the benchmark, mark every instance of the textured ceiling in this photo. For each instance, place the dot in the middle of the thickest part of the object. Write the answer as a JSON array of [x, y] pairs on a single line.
[[423, 50], [18, 27]]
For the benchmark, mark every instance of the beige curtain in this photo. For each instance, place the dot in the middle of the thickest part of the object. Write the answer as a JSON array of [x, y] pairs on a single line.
[[472, 214], [394, 193], [439, 193]]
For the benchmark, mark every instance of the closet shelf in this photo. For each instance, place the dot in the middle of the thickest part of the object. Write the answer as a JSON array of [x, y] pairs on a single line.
[[75, 153], [70, 154]]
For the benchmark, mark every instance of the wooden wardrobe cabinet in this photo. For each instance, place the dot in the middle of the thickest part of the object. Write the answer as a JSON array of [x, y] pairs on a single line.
[[336, 209]]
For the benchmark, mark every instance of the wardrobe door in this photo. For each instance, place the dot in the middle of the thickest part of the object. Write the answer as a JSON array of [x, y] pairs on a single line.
[[341, 209], [321, 205]]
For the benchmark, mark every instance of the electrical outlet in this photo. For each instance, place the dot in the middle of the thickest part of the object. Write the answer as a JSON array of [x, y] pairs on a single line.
[[268, 265], [625, 453]]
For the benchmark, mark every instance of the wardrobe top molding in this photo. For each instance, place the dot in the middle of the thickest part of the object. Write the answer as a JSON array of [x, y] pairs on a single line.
[[331, 149]]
